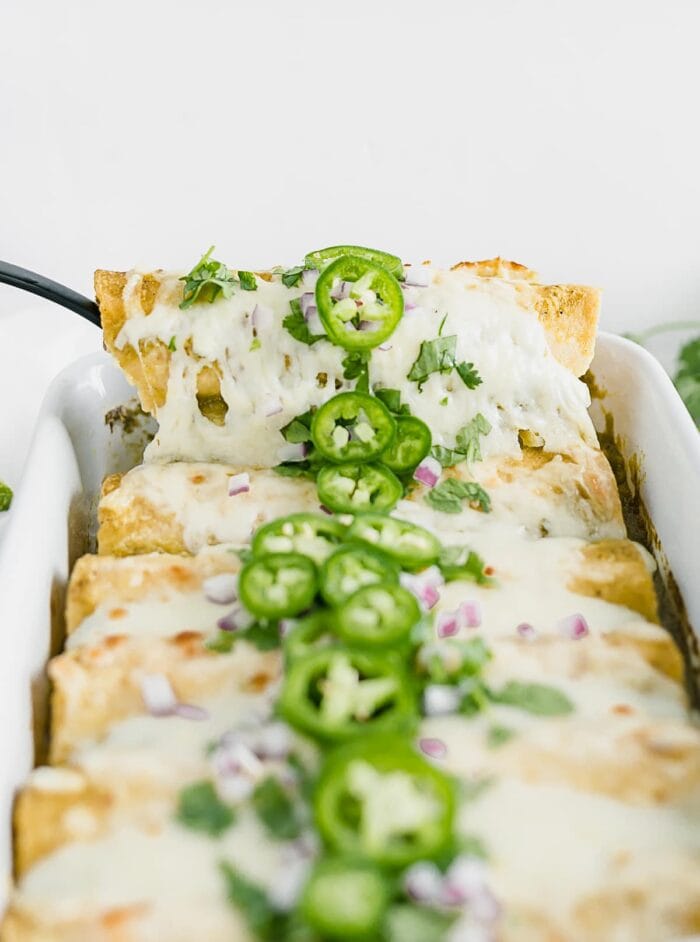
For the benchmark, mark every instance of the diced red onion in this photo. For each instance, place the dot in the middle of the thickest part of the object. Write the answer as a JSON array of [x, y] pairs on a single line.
[[469, 614], [423, 882], [417, 276], [286, 889], [307, 301], [238, 483], [309, 277], [441, 699], [425, 586], [384, 347], [189, 711], [293, 451], [447, 625], [285, 625], [272, 405], [573, 626], [428, 472], [341, 290], [221, 588], [525, 630], [409, 306], [435, 748], [313, 321], [158, 695], [262, 317], [273, 741], [238, 619]]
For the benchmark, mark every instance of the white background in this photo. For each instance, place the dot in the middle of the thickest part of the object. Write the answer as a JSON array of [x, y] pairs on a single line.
[[563, 135]]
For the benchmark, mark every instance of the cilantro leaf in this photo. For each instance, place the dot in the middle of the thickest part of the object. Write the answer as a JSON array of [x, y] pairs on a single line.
[[292, 276], [297, 326], [6, 496], [391, 398], [299, 429], [356, 366], [171, 344], [498, 736], [247, 281], [469, 375], [409, 923], [448, 496], [468, 436], [540, 699], [454, 661], [434, 356], [295, 469], [200, 808], [446, 456], [207, 280], [687, 378], [263, 637], [265, 922], [459, 562], [276, 810]]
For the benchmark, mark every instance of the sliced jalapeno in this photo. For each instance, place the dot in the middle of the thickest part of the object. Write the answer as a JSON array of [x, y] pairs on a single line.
[[309, 634], [378, 798], [413, 547], [345, 899], [373, 306], [312, 535], [322, 257], [278, 585], [336, 693], [352, 426], [350, 568], [411, 444], [351, 488], [377, 615]]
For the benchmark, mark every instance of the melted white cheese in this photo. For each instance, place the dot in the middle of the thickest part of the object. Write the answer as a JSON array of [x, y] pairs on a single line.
[[523, 387], [551, 846]]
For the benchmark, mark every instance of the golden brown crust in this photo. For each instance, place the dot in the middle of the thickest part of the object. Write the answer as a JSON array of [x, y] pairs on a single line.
[[96, 686], [614, 570]]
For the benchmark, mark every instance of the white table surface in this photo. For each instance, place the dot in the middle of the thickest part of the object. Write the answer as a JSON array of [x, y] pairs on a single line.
[[564, 136]]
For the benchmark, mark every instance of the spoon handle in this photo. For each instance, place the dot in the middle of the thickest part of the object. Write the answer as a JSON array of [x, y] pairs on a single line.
[[46, 288]]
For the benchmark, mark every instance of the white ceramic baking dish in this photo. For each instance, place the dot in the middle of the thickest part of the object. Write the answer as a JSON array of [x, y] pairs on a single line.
[[73, 449]]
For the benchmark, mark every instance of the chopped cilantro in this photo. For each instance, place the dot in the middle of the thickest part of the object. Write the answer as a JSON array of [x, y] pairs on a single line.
[[459, 562], [469, 375], [438, 356], [295, 469], [540, 699], [454, 661], [434, 356], [276, 810], [467, 446], [498, 736], [444, 400], [687, 378], [200, 808], [298, 430], [6, 496], [447, 457], [409, 923], [297, 326], [442, 324], [207, 280], [356, 366], [263, 637], [263, 919], [448, 496], [391, 398], [255, 344], [292, 276], [247, 280], [468, 436], [475, 696], [473, 846], [171, 344]]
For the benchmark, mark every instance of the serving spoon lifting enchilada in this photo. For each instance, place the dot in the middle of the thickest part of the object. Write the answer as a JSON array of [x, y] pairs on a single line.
[[365, 653]]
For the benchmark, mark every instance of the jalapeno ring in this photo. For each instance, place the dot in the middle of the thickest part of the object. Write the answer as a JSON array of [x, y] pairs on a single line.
[[411, 444], [278, 585], [352, 488], [313, 535], [370, 312], [350, 568], [378, 615], [413, 547]]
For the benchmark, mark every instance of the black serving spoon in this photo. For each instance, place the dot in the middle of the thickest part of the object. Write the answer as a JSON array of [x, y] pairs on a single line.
[[46, 288]]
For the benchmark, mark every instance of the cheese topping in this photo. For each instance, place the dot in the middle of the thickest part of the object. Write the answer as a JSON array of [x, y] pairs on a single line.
[[524, 387]]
